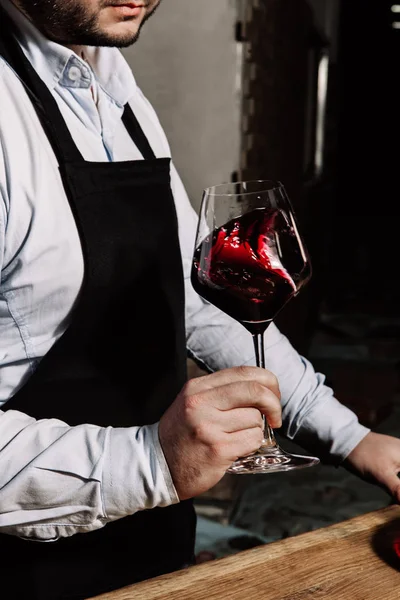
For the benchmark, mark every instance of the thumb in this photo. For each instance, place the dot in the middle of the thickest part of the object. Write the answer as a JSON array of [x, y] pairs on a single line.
[[392, 482]]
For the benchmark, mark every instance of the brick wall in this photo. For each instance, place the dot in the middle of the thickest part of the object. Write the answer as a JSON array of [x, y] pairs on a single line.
[[276, 34], [276, 38]]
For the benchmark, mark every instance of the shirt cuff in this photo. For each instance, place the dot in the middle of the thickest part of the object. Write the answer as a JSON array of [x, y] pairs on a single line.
[[331, 430], [137, 476]]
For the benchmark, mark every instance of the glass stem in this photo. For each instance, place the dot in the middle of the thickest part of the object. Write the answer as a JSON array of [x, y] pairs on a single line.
[[258, 340]]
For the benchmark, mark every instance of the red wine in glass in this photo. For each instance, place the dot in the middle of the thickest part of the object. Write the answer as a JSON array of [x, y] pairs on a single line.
[[249, 261]]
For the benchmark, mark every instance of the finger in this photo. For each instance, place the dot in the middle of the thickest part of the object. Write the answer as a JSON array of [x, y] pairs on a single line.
[[243, 394], [242, 443], [391, 481], [237, 374], [241, 418]]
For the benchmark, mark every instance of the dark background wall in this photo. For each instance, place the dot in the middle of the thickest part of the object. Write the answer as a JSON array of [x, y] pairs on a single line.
[[365, 252], [349, 211], [236, 88]]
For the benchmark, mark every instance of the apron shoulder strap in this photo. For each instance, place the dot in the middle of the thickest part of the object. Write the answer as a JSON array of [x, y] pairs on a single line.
[[46, 106], [42, 99], [137, 134]]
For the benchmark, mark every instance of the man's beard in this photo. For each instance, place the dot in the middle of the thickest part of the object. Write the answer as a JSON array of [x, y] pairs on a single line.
[[68, 22]]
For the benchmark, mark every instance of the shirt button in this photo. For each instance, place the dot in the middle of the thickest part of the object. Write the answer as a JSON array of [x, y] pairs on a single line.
[[74, 73]]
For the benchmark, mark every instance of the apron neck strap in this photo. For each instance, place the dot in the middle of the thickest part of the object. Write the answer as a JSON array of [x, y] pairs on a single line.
[[42, 99], [46, 106], [137, 134]]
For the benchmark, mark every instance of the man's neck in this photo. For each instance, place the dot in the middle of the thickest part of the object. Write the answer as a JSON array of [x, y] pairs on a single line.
[[79, 50]]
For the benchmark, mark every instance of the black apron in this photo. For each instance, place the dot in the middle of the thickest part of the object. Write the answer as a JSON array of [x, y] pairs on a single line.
[[128, 321]]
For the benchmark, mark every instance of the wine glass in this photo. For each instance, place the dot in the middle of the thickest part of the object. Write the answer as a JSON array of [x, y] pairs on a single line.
[[249, 261]]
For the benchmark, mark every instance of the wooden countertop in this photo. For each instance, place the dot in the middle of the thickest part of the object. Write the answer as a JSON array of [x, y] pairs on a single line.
[[358, 559]]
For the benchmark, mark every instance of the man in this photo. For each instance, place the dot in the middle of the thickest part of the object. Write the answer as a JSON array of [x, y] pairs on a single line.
[[97, 455]]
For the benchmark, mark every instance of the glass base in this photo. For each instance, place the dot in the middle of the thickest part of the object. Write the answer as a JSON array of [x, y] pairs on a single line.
[[269, 460]]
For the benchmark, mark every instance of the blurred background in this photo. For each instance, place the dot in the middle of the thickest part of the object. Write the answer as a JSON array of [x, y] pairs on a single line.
[[302, 91]]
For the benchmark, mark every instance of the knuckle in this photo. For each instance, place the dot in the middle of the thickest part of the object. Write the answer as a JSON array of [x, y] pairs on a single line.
[[271, 376], [216, 451], [244, 372], [274, 381], [273, 404], [270, 401], [257, 390], [192, 401], [190, 411], [277, 409], [201, 432], [190, 387]]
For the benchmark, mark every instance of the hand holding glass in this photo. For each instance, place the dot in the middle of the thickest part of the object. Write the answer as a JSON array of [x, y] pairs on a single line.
[[249, 261]]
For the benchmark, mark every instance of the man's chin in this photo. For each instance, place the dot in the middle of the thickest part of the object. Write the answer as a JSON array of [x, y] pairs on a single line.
[[99, 39], [118, 36], [118, 41]]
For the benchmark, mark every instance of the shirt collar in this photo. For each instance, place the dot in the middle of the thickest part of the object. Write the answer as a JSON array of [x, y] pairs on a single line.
[[56, 64]]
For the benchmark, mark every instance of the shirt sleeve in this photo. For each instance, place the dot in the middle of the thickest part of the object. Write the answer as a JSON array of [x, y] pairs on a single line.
[[311, 414], [3, 203], [57, 480], [48, 491]]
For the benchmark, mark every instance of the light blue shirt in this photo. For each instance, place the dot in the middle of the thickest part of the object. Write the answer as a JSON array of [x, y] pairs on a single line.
[[56, 480]]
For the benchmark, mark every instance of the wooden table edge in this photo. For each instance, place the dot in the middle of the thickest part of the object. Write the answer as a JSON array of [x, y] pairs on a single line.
[[198, 574]]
